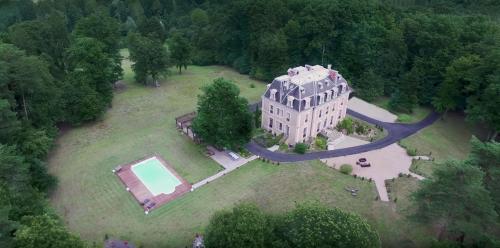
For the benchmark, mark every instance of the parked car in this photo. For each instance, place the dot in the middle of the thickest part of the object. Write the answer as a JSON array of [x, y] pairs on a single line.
[[150, 205], [233, 155], [363, 162], [145, 202]]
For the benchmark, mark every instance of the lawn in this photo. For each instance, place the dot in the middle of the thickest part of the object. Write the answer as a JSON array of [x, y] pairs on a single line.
[[419, 113], [447, 138], [93, 202]]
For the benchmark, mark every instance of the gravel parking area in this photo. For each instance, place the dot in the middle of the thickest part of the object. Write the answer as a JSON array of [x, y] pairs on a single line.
[[386, 163]]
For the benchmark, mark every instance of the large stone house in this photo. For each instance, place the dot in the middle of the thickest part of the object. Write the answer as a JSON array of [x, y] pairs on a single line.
[[304, 102]]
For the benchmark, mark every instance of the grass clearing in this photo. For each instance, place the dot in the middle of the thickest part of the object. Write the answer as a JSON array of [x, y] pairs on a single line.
[[93, 202], [418, 114], [447, 138]]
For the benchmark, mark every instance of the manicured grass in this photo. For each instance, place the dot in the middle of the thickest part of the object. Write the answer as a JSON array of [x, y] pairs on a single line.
[[447, 138], [423, 168], [419, 113], [93, 202]]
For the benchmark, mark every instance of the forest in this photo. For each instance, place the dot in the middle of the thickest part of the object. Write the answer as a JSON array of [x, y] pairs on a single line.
[[60, 59]]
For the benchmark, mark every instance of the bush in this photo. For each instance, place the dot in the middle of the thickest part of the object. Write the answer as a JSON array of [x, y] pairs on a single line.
[[346, 124], [252, 85], [360, 129], [300, 148], [346, 169], [321, 143], [411, 152]]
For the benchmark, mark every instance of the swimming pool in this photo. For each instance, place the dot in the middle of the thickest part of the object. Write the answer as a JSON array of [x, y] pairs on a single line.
[[155, 176]]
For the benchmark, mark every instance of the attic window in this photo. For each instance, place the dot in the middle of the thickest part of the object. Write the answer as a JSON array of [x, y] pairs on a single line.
[[320, 85]]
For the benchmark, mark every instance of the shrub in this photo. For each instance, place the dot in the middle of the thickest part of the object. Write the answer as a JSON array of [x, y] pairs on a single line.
[[300, 148], [252, 85], [404, 118], [346, 124], [361, 129], [346, 169], [411, 152], [321, 142]]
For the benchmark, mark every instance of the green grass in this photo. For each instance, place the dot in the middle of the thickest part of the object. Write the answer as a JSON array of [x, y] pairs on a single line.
[[93, 202], [447, 138], [418, 114], [423, 168]]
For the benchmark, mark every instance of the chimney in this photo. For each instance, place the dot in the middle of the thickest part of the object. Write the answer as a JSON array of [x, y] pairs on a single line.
[[329, 67], [290, 72]]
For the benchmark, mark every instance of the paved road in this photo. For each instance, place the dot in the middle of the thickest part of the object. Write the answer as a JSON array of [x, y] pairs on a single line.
[[396, 132]]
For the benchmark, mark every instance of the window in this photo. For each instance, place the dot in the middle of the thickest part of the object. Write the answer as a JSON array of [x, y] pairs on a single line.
[[287, 130], [331, 121], [271, 109], [307, 117], [324, 124], [319, 125], [270, 122], [320, 113], [327, 109], [278, 111], [288, 117], [280, 125], [305, 131]]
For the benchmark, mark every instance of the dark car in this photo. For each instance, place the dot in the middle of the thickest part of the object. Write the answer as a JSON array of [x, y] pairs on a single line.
[[150, 205], [363, 162], [145, 202]]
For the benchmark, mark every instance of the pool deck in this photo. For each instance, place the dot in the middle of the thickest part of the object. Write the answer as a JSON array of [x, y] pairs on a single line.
[[139, 191]]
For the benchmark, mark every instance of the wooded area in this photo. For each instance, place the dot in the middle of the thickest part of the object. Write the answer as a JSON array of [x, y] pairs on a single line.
[[59, 60]]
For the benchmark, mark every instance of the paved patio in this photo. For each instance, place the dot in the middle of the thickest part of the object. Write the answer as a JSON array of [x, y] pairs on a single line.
[[225, 161], [386, 163], [371, 110]]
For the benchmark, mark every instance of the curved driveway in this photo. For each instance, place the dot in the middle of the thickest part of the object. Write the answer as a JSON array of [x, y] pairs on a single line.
[[396, 132]]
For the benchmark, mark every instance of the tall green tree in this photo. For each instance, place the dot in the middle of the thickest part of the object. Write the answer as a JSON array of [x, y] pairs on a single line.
[[29, 87], [149, 56], [314, 225], [486, 155], [223, 119], [94, 65], [243, 226], [456, 201], [107, 31], [180, 51], [44, 231], [48, 37]]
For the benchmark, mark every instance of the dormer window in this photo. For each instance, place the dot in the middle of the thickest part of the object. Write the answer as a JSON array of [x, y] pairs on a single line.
[[273, 94], [320, 85], [290, 101]]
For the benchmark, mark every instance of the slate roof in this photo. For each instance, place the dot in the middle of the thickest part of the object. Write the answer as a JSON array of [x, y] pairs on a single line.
[[310, 81]]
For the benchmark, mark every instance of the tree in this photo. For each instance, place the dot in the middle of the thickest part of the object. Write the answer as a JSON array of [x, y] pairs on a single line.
[[9, 125], [486, 155], [243, 226], [44, 231], [313, 225], [7, 226], [87, 57], [82, 102], [223, 119], [47, 37], [152, 28], [149, 56], [460, 185], [180, 51], [107, 31], [29, 87]]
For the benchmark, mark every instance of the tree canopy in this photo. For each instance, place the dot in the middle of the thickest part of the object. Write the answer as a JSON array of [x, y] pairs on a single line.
[[456, 201], [223, 119]]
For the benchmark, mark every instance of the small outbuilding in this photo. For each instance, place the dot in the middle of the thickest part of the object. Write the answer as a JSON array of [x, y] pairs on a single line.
[[184, 123]]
